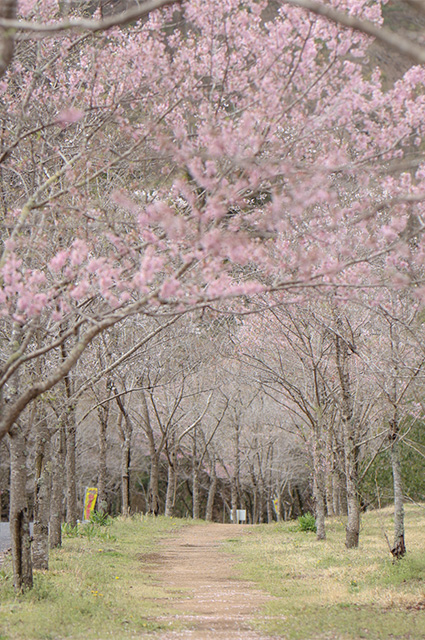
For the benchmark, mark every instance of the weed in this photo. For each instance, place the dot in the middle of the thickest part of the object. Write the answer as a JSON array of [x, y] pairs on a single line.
[[69, 531], [100, 518], [91, 529], [307, 522]]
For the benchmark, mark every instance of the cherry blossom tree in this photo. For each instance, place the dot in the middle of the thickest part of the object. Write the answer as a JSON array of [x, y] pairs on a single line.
[[220, 123], [395, 357], [192, 157]]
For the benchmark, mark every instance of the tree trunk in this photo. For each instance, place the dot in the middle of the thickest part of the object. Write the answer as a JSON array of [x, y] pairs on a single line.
[[353, 519], [320, 510], [268, 475], [269, 509], [298, 500], [261, 501], [125, 476], [195, 477], [254, 496], [195, 491], [7, 10], [125, 430], [341, 491], [212, 490], [234, 499], [319, 485], [57, 492], [351, 474], [19, 512], [235, 479], [351, 451], [70, 466], [330, 476], [103, 412], [40, 547], [153, 493], [171, 485], [399, 547]]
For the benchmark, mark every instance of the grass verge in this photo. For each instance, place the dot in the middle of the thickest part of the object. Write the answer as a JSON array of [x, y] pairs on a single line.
[[322, 590], [99, 585]]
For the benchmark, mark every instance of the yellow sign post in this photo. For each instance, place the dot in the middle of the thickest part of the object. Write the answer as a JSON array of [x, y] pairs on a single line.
[[89, 502]]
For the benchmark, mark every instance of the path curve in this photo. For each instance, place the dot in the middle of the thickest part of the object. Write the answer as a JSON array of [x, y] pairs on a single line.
[[215, 605]]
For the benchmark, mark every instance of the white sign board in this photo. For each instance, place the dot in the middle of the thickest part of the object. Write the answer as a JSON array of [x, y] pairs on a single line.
[[240, 516]]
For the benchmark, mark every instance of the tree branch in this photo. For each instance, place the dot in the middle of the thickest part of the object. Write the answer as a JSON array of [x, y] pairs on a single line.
[[120, 19], [7, 44], [399, 43]]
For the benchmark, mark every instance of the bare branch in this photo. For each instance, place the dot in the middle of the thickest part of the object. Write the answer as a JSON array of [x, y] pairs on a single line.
[[197, 421]]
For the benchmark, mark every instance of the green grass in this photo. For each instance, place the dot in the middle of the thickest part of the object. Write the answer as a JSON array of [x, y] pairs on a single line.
[[98, 586], [102, 583], [323, 590]]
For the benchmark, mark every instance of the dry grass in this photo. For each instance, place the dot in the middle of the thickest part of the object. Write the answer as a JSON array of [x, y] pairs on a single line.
[[322, 590], [105, 586], [97, 587]]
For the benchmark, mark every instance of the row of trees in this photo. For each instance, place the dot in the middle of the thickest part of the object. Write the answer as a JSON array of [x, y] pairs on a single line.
[[287, 410], [211, 152]]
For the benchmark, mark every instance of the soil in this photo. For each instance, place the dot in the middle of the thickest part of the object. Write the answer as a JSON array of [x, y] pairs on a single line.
[[214, 604]]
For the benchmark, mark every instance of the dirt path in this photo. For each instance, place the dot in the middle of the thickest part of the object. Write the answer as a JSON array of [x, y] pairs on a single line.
[[215, 605]]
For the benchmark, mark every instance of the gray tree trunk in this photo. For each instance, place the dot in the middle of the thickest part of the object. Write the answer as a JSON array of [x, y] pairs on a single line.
[[320, 510], [330, 476], [351, 451], [70, 468], [7, 10], [19, 512], [102, 472], [212, 490], [43, 469], [171, 486], [261, 501], [195, 491], [399, 546], [234, 499], [125, 477], [195, 477], [153, 492], [319, 487], [254, 496], [125, 430], [57, 496]]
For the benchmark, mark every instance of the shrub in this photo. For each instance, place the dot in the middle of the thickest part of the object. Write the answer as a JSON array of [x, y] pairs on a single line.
[[307, 522]]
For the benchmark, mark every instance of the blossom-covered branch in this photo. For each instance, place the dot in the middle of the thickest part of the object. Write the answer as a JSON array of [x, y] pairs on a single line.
[[81, 24], [400, 43]]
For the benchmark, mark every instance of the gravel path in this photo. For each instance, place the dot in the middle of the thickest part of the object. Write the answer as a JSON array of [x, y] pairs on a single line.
[[215, 604]]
